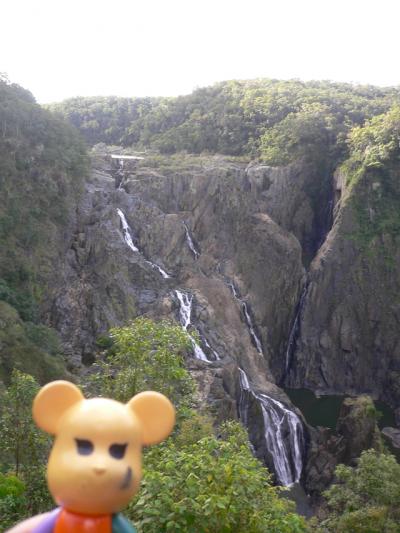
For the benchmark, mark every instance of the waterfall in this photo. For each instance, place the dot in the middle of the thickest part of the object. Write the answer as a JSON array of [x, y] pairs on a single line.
[[279, 422], [244, 397], [190, 242], [185, 311], [119, 174], [164, 274], [294, 331], [126, 230], [253, 335], [216, 354]]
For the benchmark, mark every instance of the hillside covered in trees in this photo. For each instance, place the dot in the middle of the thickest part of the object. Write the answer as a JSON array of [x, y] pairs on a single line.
[[43, 165], [278, 121]]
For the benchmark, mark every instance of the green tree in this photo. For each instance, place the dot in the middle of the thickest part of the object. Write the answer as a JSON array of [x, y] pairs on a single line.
[[309, 132], [212, 485], [365, 499], [232, 117], [377, 141], [145, 355], [13, 503], [23, 447], [373, 177], [21, 442]]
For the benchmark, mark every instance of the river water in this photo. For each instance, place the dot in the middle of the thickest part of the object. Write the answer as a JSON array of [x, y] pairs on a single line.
[[324, 410]]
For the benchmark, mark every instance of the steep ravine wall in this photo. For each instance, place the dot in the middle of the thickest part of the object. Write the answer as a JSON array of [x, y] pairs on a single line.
[[254, 229], [244, 280], [102, 284], [348, 339]]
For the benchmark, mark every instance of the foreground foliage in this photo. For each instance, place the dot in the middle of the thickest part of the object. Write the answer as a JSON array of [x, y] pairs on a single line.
[[211, 485], [23, 453], [43, 164], [145, 355], [365, 499], [196, 481]]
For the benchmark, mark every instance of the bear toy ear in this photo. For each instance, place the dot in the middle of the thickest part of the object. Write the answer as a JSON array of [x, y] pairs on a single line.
[[52, 401], [156, 414]]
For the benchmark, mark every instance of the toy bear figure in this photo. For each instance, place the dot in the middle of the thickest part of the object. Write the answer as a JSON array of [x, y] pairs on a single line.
[[94, 467]]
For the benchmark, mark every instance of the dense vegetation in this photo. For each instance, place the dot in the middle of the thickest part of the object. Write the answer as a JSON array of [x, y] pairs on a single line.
[[144, 355], [372, 172], [365, 499], [198, 480], [193, 482], [276, 120], [42, 166]]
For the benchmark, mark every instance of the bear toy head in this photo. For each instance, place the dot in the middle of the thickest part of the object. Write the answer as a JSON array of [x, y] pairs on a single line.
[[95, 463]]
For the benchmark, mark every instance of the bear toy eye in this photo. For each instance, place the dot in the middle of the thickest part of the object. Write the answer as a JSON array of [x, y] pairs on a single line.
[[117, 450], [84, 447]]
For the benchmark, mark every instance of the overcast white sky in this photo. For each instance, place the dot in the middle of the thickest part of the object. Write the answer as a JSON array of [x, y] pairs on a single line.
[[63, 48]]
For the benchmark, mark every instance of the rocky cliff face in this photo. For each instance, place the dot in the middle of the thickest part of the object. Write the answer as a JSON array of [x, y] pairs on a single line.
[[348, 335], [240, 248], [229, 244], [199, 235]]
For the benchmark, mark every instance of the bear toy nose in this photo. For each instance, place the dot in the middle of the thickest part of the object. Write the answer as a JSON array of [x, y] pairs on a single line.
[[99, 470]]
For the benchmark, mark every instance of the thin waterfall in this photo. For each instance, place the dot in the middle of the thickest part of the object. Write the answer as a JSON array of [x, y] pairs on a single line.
[[185, 309], [185, 312], [294, 331], [119, 174], [244, 397], [126, 230], [215, 353], [245, 309], [283, 432], [154, 266], [190, 242], [127, 233]]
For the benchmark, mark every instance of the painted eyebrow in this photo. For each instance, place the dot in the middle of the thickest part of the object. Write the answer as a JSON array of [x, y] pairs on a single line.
[[117, 450], [84, 447]]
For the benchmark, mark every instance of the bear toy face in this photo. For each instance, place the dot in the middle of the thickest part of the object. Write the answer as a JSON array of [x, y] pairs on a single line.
[[95, 463]]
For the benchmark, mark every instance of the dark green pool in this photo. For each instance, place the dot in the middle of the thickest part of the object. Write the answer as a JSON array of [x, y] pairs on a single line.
[[324, 410]]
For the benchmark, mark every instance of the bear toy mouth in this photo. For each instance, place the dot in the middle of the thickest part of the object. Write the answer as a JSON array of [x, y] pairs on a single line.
[[126, 482]]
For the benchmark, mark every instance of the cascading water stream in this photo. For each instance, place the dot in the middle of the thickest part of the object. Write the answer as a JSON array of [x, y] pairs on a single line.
[[126, 230], [119, 174], [294, 331], [190, 242], [254, 337], [286, 453], [215, 353], [185, 311]]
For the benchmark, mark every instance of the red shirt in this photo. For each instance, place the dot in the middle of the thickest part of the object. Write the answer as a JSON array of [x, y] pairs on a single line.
[[77, 523]]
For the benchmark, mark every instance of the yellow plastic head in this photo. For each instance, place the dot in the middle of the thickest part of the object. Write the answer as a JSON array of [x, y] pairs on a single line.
[[95, 463]]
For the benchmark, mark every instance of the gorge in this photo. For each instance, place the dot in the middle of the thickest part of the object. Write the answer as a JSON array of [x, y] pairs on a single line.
[[278, 256], [229, 205]]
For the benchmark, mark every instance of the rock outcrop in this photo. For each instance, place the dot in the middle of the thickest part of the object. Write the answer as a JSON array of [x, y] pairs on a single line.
[[348, 335], [356, 430], [358, 427]]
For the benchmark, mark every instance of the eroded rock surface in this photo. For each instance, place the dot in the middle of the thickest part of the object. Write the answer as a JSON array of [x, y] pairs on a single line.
[[236, 238], [348, 340]]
